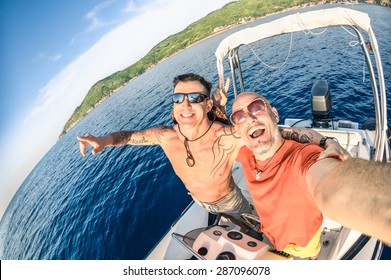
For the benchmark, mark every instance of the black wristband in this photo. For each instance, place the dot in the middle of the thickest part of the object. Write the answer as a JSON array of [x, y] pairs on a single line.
[[322, 142]]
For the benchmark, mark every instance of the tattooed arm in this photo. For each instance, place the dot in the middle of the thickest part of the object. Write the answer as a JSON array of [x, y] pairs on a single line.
[[301, 135], [148, 137], [306, 135]]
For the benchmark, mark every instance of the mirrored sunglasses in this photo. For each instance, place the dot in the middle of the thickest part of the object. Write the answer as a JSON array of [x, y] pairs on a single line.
[[194, 97]]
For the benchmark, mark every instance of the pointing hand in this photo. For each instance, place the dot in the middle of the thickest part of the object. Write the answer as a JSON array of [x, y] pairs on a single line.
[[89, 139]]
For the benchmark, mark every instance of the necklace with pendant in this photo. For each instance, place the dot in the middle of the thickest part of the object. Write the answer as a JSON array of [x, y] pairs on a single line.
[[258, 172], [190, 159]]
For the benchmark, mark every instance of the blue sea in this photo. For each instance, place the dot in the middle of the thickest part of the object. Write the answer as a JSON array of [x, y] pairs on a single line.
[[118, 204]]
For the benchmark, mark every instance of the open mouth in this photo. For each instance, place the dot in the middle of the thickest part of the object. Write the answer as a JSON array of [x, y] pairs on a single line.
[[256, 132]]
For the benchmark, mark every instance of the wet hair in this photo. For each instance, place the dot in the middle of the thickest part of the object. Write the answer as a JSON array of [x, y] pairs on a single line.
[[190, 77]]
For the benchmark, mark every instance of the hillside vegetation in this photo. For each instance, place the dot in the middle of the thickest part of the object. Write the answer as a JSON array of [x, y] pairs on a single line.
[[231, 14]]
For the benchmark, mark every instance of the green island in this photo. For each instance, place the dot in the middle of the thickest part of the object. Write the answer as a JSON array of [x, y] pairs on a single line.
[[231, 15]]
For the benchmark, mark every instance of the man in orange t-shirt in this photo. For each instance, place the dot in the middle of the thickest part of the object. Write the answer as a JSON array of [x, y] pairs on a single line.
[[287, 212], [291, 188]]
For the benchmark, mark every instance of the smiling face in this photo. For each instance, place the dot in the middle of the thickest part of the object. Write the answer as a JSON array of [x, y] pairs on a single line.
[[257, 125], [190, 114]]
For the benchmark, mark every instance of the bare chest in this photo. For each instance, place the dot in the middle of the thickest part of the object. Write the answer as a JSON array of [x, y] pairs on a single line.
[[198, 163]]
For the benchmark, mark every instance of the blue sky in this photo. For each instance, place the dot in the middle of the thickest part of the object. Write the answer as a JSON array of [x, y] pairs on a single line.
[[52, 52]]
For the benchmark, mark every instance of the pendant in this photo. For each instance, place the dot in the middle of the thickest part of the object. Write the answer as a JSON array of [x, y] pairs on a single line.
[[190, 161], [257, 174]]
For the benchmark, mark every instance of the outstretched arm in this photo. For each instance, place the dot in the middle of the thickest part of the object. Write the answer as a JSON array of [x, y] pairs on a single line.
[[355, 193], [151, 136], [307, 135]]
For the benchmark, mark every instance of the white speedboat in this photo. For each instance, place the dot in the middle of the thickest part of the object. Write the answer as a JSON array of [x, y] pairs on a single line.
[[196, 234]]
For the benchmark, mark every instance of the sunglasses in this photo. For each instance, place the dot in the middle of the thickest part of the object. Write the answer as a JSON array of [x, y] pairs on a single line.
[[194, 97], [255, 107]]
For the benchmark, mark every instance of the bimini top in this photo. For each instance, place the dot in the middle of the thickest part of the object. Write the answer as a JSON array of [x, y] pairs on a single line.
[[296, 22]]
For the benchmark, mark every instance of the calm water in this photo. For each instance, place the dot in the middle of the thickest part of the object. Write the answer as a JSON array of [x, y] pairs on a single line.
[[117, 205]]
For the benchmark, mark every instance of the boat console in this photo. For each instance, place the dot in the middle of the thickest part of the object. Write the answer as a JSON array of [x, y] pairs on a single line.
[[223, 242], [219, 243]]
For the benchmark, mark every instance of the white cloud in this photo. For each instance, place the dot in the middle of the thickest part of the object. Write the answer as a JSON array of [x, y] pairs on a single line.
[[93, 16], [130, 7], [44, 56], [67, 83], [141, 6]]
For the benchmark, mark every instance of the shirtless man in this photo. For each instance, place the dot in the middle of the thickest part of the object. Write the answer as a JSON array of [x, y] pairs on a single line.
[[202, 152]]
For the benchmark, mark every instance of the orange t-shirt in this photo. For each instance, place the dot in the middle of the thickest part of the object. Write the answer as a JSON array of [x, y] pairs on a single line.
[[287, 212]]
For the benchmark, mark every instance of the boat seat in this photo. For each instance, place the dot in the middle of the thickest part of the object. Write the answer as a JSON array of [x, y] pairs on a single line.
[[355, 142]]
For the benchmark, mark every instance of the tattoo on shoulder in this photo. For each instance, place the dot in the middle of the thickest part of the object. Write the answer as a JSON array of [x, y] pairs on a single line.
[[230, 131], [161, 132], [222, 152]]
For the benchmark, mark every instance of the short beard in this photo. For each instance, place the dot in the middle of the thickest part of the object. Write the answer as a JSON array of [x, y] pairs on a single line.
[[273, 139]]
